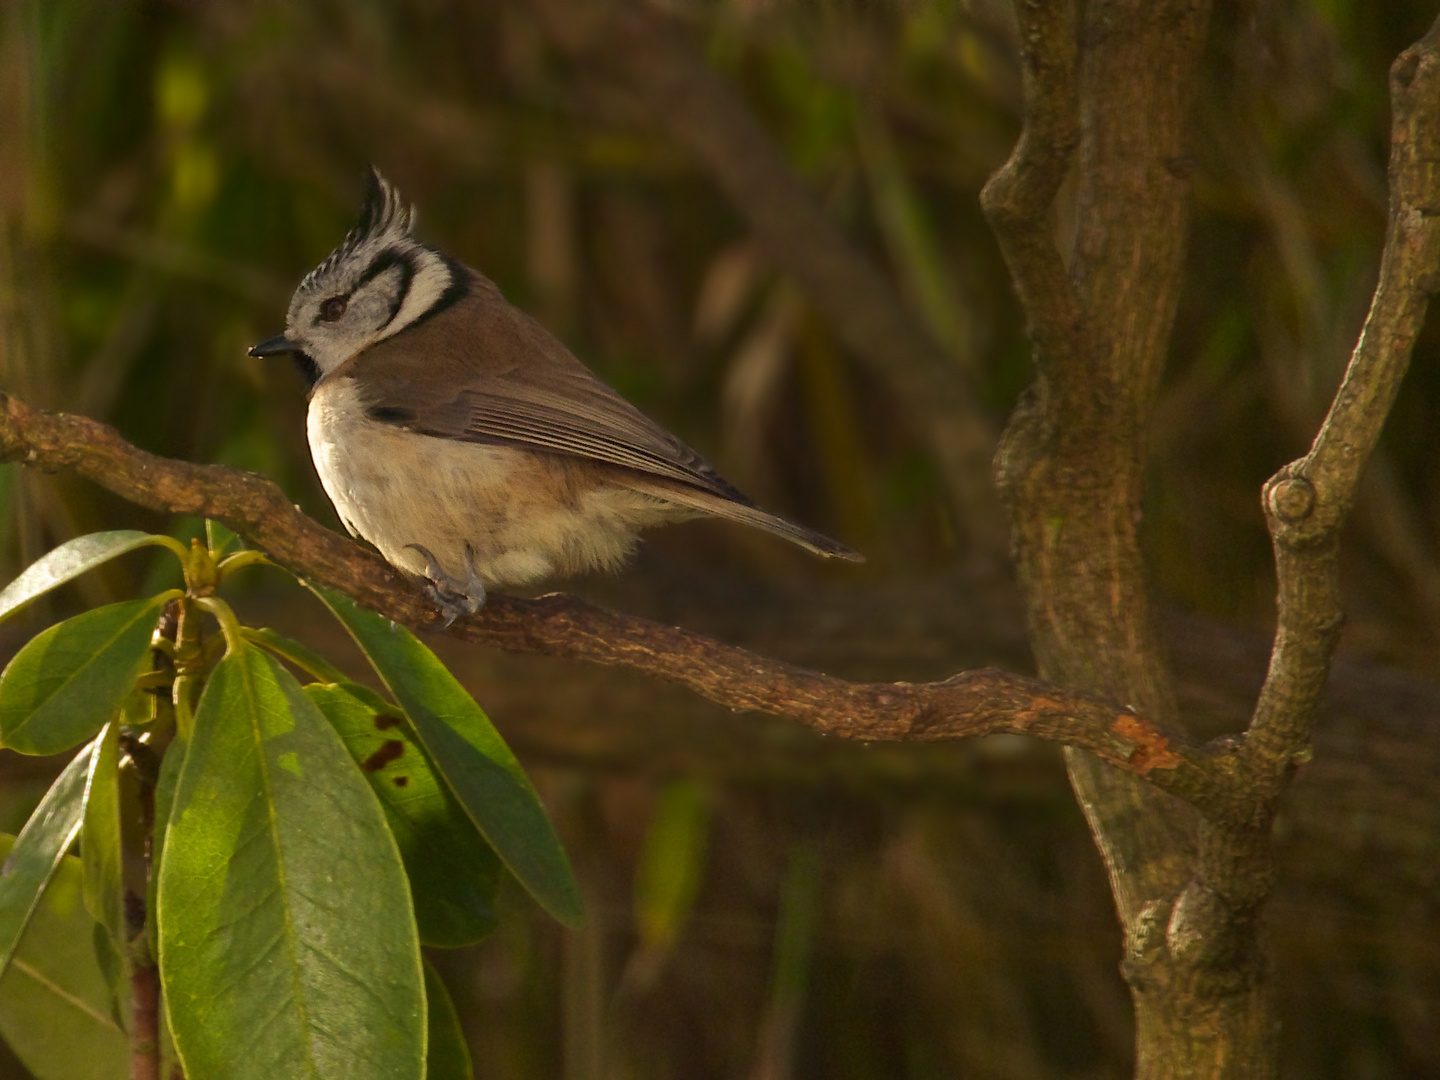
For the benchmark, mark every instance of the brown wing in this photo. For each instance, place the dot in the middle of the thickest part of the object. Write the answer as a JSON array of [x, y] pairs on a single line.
[[485, 371]]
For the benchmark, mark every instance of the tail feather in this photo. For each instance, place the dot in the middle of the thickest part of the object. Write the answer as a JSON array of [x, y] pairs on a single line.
[[747, 514]]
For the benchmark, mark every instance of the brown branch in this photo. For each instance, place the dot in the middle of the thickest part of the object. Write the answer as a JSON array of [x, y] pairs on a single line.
[[145, 1022], [981, 702], [1307, 501], [1071, 463], [1072, 467], [638, 47], [1019, 200]]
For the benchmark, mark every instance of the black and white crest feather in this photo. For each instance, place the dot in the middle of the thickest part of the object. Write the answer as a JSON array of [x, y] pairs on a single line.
[[378, 282], [384, 219]]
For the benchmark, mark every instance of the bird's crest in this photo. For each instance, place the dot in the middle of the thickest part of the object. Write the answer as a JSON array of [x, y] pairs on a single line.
[[384, 219]]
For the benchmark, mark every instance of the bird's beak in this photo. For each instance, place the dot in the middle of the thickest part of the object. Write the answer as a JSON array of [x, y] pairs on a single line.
[[279, 345]]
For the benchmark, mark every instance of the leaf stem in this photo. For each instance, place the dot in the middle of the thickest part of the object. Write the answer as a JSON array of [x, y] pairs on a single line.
[[225, 616], [239, 561], [188, 664], [180, 551]]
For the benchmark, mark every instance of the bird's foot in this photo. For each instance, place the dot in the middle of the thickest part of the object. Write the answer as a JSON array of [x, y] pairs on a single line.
[[453, 596]]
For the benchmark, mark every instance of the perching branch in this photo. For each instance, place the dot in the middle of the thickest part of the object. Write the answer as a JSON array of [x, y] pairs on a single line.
[[982, 702], [1307, 501]]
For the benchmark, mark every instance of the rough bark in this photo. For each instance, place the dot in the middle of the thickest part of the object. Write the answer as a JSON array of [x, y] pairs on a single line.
[[978, 702], [1110, 88]]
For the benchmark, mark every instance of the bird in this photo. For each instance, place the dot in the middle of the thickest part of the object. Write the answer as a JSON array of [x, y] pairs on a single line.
[[463, 440]]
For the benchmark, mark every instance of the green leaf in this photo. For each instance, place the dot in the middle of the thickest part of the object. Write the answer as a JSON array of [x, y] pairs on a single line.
[[69, 561], [471, 756], [38, 851], [55, 1002], [304, 658], [100, 838], [448, 1056], [453, 873], [110, 962], [287, 940], [60, 689]]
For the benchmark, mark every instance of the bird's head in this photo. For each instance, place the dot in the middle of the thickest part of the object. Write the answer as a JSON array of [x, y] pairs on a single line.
[[379, 281]]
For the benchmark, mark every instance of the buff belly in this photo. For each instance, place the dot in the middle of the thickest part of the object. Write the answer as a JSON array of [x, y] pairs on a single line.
[[526, 516]]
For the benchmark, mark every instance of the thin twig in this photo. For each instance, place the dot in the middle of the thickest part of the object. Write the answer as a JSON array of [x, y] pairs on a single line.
[[1307, 501], [981, 702]]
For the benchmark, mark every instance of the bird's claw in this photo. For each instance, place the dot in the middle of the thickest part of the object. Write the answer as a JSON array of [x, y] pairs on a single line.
[[451, 595]]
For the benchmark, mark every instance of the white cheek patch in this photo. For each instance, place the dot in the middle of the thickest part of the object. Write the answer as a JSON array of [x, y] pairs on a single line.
[[372, 315], [372, 307], [428, 284]]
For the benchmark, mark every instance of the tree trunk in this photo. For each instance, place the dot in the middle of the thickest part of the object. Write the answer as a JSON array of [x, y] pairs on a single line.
[[1071, 469]]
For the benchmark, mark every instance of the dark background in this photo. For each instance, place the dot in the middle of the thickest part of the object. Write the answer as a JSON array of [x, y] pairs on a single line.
[[765, 904]]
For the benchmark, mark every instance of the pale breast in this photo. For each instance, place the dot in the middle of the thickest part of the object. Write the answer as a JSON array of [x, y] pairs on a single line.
[[526, 516]]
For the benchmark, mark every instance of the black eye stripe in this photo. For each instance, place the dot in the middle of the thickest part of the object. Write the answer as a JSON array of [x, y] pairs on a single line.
[[383, 262]]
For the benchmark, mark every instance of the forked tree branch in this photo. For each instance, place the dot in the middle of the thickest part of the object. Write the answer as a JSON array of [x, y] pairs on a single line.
[[1072, 468], [1307, 502], [981, 702]]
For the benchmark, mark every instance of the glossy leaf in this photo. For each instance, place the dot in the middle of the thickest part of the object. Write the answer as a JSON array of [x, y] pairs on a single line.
[[285, 920], [69, 561], [38, 851], [453, 873], [471, 756], [448, 1054], [100, 838], [55, 1002], [63, 686], [292, 652]]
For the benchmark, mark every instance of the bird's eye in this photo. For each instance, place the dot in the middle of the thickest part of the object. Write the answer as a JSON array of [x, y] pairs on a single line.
[[333, 308]]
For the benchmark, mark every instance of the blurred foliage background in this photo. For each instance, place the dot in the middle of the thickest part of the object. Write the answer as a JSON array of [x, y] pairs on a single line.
[[168, 171]]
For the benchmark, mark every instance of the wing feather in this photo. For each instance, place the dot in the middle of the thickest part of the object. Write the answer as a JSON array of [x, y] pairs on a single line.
[[484, 371]]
